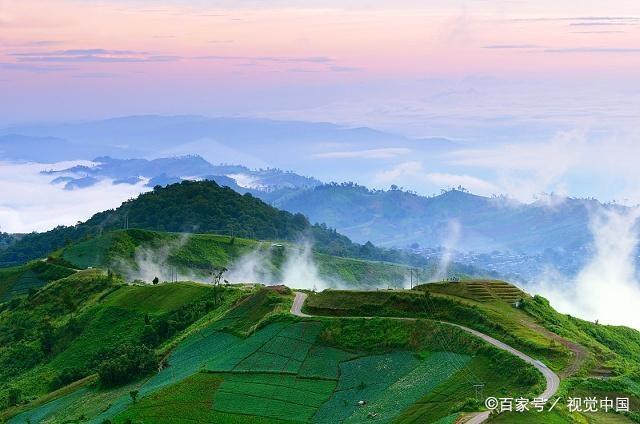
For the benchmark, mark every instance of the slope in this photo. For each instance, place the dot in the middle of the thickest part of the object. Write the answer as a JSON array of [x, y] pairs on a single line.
[[592, 359], [202, 206]]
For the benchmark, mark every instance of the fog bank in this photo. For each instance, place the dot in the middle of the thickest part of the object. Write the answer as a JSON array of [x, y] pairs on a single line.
[[607, 288]]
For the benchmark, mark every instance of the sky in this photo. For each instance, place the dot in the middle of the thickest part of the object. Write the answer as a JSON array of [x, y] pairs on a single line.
[[386, 63], [541, 96]]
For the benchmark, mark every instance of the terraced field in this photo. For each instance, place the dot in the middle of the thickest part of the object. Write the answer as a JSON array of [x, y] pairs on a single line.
[[479, 290], [250, 361], [15, 281], [291, 370]]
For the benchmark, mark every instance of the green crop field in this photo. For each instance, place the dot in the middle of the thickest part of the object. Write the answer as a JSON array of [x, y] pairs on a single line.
[[240, 357], [157, 299], [276, 396], [15, 281], [284, 371], [324, 362]]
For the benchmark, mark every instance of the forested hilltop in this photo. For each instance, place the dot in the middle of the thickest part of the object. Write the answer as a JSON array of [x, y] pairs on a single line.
[[203, 207]]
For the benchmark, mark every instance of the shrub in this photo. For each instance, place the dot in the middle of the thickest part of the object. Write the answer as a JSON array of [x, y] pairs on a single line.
[[67, 376], [126, 365]]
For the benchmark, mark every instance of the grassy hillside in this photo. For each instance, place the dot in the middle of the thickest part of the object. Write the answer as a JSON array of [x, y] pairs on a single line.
[[20, 279], [204, 207], [195, 254], [90, 346], [85, 323], [593, 360], [77, 348], [303, 371]]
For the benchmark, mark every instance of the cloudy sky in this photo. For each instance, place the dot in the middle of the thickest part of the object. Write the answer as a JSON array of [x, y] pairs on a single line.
[[415, 66], [541, 96]]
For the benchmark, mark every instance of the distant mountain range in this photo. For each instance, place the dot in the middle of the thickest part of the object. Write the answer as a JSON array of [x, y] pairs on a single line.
[[455, 218], [327, 151], [241, 140], [393, 218], [164, 171]]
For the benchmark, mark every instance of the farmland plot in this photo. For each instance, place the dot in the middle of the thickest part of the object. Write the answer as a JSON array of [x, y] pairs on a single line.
[[281, 396]]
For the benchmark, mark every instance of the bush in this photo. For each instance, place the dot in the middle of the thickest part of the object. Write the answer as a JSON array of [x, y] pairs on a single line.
[[126, 365], [67, 376], [13, 397], [468, 405]]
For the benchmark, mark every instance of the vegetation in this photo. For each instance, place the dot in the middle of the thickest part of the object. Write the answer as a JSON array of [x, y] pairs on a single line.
[[253, 363], [444, 308], [203, 207], [198, 254], [82, 344], [20, 280]]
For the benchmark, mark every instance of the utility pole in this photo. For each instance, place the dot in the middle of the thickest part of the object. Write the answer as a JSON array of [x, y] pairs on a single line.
[[479, 391]]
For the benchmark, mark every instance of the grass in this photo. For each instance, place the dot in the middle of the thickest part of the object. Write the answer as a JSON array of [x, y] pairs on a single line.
[[197, 253], [361, 273], [158, 299], [90, 253], [614, 349], [283, 397], [450, 395], [248, 313], [196, 395], [496, 317], [15, 281], [255, 364]]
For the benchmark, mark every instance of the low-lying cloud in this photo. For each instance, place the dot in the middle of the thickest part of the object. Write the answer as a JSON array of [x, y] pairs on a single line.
[[30, 203], [607, 289], [299, 269]]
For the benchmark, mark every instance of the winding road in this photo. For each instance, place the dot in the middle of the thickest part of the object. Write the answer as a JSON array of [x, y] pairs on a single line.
[[552, 379]]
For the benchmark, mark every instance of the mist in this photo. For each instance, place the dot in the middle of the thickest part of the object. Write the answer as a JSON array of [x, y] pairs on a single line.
[[449, 244], [299, 269], [29, 202], [607, 288], [253, 267], [150, 262]]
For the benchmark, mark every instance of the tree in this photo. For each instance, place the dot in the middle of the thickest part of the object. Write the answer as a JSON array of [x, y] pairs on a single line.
[[126, 363], [155, 281], [47, 336], [13, 397], [134, 396], [216, 276], [69, 301]]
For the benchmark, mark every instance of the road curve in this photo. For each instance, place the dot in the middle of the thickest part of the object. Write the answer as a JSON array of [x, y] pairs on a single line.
[[298, 301], [552, 379]]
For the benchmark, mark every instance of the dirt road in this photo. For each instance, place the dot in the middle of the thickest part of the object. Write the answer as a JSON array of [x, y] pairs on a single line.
[[552, 379]]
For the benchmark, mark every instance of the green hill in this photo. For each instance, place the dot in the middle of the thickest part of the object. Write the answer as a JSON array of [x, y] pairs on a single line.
[[84, 339], [90, 348], [19, 280], [193, 256], [246, 356], [592, 359], [204, 207]]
